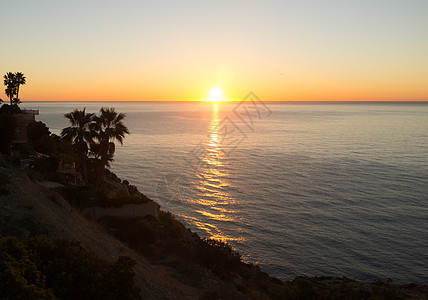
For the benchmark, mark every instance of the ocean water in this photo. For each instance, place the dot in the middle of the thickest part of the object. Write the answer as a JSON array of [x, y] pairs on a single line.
[[313, 188]]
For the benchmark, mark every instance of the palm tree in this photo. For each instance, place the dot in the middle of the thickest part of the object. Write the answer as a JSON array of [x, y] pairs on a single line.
[[109, 127], [10, 83], [80, 135], [19, 80]]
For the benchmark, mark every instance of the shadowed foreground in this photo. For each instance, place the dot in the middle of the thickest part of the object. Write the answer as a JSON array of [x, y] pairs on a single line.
[[163, 268]]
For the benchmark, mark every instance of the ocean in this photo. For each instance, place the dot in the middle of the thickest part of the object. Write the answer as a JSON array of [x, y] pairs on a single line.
[[334, 189]]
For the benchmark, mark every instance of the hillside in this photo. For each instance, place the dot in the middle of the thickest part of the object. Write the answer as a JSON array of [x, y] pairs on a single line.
[[29, 209]]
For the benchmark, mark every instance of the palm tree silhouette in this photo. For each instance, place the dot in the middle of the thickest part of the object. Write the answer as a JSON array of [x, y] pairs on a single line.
[[80, 135], [109, 127], [10, 83], [19, 80]]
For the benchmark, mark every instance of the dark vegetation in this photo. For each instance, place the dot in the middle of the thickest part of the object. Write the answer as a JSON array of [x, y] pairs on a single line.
[[12, 82], [39, 268], [86, 196], [92, 138], [88, 141], [166, 241]]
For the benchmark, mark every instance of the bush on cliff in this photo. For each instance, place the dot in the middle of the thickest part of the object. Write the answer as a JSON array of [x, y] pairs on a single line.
[[43, 269], [167, 241]]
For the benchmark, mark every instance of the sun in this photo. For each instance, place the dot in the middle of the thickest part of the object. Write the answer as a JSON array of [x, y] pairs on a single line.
[[216, 94]]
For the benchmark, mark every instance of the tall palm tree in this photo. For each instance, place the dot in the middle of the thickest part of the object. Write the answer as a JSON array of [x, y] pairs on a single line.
[[19, 80], [10, 83], [109, 127], [80, 135]]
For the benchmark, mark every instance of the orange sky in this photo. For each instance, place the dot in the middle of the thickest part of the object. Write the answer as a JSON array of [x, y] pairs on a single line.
[[281, 50]]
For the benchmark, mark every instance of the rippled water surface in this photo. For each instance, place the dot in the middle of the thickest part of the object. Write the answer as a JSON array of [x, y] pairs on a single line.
[[316, 189]]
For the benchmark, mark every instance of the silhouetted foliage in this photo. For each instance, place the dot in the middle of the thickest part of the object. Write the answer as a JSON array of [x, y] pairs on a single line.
[[93, 139], [167, 240], [36, 130], [78, 196], [133, 231], [43, 269], [10, 83], [108, 127], [19, 80], [13, 81], [80, 136], [38, 135], [10, 109]]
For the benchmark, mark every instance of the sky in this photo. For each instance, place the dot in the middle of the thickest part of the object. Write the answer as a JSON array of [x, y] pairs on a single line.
[[306, 50]]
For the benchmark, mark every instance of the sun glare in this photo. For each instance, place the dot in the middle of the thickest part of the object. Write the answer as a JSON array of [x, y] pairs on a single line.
[[216, 94]]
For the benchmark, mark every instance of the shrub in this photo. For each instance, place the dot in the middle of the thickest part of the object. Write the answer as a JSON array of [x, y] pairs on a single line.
[[46, 144], [218, 256], [175, 227], [133, 231], [37, 130], [77, 196], [19, 276], [43, 269]]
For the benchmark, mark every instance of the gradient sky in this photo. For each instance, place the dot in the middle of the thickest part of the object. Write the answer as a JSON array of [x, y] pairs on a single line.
[[178, 50]]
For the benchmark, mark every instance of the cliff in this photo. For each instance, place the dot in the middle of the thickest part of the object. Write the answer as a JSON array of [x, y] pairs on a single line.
[[30, 209]]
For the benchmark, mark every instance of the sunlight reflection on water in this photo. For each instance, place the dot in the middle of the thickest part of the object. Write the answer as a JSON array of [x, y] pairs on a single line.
[[213, 202]]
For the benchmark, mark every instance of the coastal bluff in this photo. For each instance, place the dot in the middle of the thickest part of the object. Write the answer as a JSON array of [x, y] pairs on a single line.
[[29, 209]]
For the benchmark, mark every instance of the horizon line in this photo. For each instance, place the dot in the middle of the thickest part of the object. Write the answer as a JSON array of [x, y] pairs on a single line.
[[233, 101]]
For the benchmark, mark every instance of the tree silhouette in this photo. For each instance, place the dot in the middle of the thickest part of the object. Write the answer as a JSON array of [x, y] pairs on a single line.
[[10, 83], [108, 127], [80, 135], [20, 80]]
